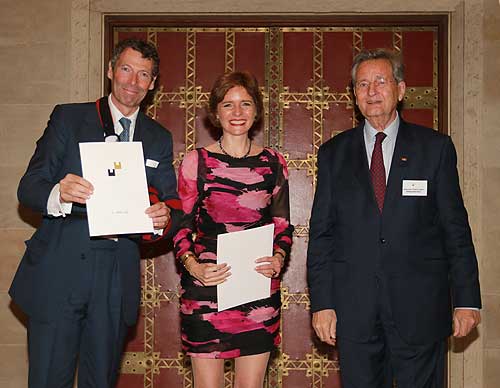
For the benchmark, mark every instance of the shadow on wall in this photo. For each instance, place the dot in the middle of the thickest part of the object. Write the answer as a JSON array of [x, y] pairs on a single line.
[[17, 312], [29, 216], [460, 345]]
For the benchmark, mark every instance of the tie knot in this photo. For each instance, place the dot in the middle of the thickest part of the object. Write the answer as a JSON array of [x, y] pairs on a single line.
[[124, 136], [125, 123], [379, 137]]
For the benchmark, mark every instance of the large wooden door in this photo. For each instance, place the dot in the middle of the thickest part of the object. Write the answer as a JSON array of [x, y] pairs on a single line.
[[304, 71]]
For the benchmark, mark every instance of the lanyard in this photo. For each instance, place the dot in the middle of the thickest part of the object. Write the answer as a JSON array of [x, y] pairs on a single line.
[[106, 119]]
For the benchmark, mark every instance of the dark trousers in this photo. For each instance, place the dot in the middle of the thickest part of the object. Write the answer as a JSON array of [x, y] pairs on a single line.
[[89, 331], [387, 356]]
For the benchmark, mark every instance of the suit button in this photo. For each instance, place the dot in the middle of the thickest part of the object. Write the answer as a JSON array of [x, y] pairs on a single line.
[[382, 240], [82, 257]]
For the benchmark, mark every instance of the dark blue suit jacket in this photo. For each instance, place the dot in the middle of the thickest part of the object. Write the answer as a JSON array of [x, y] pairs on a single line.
[[422, 245], [46, 272]]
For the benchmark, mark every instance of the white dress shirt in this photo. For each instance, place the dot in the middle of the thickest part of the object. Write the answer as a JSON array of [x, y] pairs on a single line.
[[388, 144]]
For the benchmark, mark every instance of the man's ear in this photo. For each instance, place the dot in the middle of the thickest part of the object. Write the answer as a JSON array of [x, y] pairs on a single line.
[[110, 71], [152, 84], [401, 90]]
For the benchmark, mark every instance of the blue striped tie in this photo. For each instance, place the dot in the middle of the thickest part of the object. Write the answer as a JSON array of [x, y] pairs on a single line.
[[126, 129]]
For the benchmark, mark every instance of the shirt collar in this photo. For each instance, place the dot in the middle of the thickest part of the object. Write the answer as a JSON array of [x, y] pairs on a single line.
[[391, 130]]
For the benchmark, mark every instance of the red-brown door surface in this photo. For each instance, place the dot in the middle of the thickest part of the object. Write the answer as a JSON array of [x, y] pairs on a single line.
[[305, 77]]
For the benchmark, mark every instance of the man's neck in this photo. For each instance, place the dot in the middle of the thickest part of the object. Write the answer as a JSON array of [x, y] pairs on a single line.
[[124, 110], [382, 122]]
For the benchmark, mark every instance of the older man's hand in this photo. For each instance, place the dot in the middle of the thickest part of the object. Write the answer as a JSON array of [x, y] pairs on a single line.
[[160, 213], [324, 323], [464, 320]]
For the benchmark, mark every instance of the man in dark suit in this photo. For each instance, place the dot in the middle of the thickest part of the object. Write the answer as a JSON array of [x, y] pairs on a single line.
[[81, 293], [391, 262]]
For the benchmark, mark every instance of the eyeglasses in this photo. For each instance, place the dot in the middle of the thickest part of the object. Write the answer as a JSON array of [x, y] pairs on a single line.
[[378, 83]]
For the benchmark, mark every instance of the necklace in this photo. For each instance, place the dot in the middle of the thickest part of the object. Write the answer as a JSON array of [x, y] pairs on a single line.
[[235, 157]]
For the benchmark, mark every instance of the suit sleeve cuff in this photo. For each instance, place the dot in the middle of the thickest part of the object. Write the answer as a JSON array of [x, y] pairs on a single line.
[[55, 207], [173, 204]]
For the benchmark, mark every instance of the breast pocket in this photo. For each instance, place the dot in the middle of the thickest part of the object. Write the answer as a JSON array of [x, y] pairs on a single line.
[[417, 201], [151, 166]]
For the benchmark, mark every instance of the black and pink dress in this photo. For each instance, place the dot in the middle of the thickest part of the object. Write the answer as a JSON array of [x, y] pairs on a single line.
[[222, 194]]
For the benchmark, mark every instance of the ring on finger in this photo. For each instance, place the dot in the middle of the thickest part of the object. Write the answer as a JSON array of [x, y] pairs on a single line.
[[274, 273]]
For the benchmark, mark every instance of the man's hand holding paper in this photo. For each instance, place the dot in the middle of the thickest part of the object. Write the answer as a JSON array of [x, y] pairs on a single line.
[[74, 188], [160, 214]]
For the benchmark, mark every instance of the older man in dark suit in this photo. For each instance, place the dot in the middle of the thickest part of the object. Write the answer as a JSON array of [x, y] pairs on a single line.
[[391, 263], [82, 293]]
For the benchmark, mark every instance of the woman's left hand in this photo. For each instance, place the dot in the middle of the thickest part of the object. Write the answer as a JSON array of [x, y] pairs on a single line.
[[272, 265]]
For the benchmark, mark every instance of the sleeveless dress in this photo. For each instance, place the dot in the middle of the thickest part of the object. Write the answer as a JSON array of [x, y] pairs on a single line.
[[222, 194]]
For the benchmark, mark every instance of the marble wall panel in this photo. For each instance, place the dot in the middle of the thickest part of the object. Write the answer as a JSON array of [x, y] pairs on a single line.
[[492, 371], [13, 323], [14, 366], [491, 318]]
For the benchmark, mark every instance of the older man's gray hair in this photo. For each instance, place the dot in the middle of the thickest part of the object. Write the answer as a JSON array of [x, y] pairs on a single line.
[[368, 55]]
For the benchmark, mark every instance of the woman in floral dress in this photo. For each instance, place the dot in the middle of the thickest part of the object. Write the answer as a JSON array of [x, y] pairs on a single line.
[[231, 185]]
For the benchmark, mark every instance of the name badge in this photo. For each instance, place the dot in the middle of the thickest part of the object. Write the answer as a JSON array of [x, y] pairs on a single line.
[[414, 188], [152, 163]]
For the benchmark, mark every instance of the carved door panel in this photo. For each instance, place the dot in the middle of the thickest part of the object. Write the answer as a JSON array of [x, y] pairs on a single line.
[[305, 77]]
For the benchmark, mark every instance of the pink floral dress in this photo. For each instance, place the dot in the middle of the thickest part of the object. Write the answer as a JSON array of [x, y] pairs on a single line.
[[222, 194]]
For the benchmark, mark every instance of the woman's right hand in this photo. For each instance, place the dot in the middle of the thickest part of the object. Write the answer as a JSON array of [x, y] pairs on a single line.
[[209, 274]]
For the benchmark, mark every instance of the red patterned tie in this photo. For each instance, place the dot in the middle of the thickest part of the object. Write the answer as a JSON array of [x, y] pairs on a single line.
[[377, 170]]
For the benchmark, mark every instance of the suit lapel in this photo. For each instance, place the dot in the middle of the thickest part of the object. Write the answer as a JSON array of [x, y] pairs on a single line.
[[400, 159], [360, 164], [139, 133], [142, 134], [91, 129]]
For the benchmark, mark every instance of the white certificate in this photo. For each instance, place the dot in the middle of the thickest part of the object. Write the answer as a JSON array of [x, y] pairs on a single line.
[[117, 172], [240, 250]]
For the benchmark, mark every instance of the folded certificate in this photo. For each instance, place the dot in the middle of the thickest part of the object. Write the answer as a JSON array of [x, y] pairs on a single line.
[[240, 250], [116, 170]]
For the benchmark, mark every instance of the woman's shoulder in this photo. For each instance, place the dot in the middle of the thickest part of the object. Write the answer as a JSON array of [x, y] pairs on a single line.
[[274, 155], [190, 159], [193, 154]]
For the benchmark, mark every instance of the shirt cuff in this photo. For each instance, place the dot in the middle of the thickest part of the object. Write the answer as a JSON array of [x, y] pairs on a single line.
[[55, 207], [467, 308]]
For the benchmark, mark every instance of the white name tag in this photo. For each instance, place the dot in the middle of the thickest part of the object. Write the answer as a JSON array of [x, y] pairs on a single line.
[[414, 188], [152, 163]]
